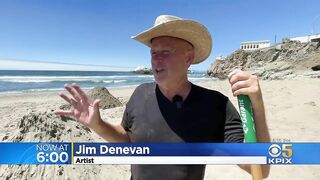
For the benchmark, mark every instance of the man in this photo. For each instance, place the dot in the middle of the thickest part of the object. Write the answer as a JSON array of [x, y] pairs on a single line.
[[173, 109]]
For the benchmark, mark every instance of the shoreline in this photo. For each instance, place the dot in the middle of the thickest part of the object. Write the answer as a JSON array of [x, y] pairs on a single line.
[[89, 88], [43, 91], [59, 90]]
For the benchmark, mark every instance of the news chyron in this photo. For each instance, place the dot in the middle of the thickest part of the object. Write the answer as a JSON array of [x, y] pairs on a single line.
[[159, 153]]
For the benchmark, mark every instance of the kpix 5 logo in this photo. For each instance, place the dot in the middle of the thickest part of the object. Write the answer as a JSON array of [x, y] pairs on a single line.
[[280, 154]]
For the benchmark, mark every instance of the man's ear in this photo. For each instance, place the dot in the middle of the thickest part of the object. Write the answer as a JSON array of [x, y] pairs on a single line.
[[190, 57]]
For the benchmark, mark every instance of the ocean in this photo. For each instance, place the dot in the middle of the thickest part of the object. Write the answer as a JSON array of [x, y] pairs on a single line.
[[27, 80]]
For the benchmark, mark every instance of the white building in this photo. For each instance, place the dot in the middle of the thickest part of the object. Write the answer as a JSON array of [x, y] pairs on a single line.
[[308, 38], [253, 45], [220, 58]]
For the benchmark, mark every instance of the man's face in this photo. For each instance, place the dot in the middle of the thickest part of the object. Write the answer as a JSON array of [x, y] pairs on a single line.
[[170, 58]]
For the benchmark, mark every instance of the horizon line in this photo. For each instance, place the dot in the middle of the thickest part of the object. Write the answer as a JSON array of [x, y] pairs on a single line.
[[56, 62]]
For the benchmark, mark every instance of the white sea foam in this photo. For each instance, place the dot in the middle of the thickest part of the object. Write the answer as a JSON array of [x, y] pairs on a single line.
[[108, 81], [27, 81], [119, 81]]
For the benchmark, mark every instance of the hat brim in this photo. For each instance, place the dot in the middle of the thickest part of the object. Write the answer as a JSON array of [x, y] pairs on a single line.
[[188, 30]]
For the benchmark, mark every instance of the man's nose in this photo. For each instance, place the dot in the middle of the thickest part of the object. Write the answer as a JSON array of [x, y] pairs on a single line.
[[157, 57]]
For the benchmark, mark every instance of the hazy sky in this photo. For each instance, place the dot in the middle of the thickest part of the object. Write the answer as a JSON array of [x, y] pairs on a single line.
[[98, 32]]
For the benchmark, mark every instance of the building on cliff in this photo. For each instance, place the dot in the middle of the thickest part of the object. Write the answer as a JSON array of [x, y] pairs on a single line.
[[307, 38], [254, 45]]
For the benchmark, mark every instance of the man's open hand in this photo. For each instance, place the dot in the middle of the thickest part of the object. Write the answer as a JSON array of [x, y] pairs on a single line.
[[85, 110]]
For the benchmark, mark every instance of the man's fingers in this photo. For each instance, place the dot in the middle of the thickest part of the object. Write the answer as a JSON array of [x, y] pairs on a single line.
[[64, 113], [239, 76], [239, 84], [233, 72], [243, 83], [71, 101], [246, 91], [65, 97], [242, 91], [73, 92], [74, 103], [82, 95], [96, 104]]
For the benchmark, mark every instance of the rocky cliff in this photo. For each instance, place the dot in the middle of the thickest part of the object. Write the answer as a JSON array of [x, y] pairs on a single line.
[[143, 70], [288, 59]]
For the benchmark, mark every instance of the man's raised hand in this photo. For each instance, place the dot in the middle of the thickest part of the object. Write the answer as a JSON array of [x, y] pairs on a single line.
[[85, 110]]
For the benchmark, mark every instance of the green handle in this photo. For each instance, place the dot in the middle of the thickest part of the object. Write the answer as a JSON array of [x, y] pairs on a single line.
[[246, 115]]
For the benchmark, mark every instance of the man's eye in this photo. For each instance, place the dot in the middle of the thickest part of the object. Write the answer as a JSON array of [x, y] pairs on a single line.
[[165, 52]]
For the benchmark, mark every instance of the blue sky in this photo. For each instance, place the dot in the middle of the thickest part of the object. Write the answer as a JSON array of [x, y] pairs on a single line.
[[98, 32]]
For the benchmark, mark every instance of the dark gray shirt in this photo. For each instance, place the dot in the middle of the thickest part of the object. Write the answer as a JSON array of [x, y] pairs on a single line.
[[205, 116]]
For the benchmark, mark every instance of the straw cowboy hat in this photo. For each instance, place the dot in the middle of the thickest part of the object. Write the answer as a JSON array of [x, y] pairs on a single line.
[[189, 30]]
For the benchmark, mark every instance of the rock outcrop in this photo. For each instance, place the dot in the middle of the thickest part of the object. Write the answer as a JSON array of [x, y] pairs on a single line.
[[143, 70], [286, 60]]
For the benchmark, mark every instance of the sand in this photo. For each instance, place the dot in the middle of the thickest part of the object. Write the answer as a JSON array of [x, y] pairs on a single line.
[[293, 115]]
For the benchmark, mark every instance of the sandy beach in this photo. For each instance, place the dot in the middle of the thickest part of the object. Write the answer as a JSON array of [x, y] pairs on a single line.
[[293, 115]]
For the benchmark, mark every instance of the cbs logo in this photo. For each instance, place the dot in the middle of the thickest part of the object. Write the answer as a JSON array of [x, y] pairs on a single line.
[[280, 154], [275, 150]]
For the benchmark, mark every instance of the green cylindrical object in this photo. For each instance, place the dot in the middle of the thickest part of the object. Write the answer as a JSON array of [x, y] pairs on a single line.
[[246, 115]]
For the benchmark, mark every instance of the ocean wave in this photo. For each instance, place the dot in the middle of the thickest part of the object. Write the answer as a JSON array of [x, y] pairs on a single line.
[[51, 81], [114, 81], [48, 79], [197, 75], [119, 81], [199, 78], [31, 90], [27, 81], [124, 86], [54, 82], [130, 76], [61, 89], [108, 81], [18, 81], [40, 90], [50, 89], [53, 77]]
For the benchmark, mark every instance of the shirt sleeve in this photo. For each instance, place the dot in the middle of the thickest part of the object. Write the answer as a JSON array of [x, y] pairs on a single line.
[[233, 132], [126, 122], [127, 119]]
